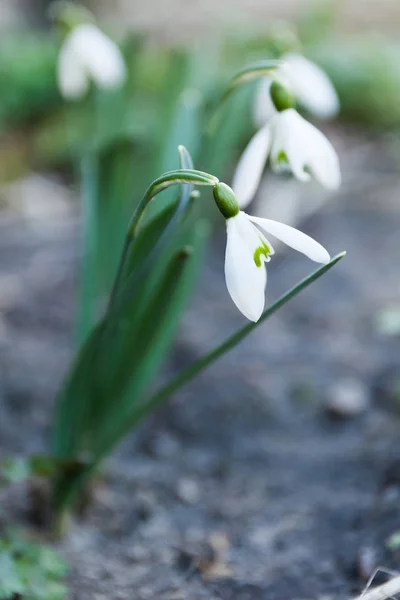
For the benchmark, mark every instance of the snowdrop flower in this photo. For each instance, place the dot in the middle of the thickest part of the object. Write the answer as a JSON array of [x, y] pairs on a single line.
[[247, 251], [308, 83], [88, 55], [311, 87], [292, 145]]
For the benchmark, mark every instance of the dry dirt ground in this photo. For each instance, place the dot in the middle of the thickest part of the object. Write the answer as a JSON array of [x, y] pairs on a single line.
[[276, 474]]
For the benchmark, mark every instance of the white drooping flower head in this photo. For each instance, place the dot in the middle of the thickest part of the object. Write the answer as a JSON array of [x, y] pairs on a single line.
[[293, 145], [309, 84], [86, 55], [312, 87], [248, 250]]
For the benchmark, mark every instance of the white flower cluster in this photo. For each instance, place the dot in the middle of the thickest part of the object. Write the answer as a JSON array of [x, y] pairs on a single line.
[[292, 144], [289, 141]]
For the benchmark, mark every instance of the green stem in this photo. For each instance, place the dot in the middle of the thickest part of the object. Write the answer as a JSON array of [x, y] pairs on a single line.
[[178, 177], [265, 68], [166, 180]]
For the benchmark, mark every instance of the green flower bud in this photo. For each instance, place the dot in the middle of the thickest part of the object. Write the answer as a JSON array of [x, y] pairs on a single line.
[[281, 97], [226, 200]]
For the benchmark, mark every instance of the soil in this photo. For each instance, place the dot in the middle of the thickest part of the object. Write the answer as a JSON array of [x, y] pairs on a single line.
[[275, 474]]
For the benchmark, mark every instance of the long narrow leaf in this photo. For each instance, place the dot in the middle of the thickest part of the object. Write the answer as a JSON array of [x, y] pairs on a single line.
[[151, 338], [89, 193], [230, 343], [74, 401], [200, 365]]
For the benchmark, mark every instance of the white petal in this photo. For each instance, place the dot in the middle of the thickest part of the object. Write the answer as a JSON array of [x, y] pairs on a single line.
[[288, 140], [322, 159], [245, 281], [293, 238], [72, 79], [312, 87], [249, 170], [264, 108], [306, 148], [101, 58]]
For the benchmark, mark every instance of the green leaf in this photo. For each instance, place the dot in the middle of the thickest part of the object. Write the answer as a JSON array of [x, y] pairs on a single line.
[[234, 340], [228, 127], [114, 207], [147, 240], [74, 401], [10, 581], [120, 376], [14, 470], [185, 129], [89, 287], [148, 342], [30, 570], [107, 183], [52, 563]]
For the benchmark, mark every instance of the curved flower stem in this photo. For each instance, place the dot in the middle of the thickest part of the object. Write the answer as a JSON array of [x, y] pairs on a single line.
[[249, 73], [254, 71], [180, 176]]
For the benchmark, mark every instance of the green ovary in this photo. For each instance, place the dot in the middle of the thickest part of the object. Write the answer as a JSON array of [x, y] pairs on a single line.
[[263, 250]]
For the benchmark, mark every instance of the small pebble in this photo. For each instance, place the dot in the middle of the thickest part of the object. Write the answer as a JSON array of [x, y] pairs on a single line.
[[348, 398], [188, 491]]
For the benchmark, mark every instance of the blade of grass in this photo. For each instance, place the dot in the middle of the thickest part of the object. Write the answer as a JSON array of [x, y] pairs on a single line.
[[201, 364]]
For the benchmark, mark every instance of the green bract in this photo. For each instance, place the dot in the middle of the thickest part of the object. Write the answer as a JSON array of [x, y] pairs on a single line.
[[226, 200], [281, 97]]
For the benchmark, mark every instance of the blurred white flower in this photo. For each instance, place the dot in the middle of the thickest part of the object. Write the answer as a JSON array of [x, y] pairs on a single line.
[[312, 87], [293, 145], [88, 55], [308, 83], [247, 250]]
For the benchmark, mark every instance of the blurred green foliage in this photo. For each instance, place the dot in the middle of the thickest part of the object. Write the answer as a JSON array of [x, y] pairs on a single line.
[[16, 469], [30, 570], [122, 350], [365, 72], [172, 88], [27, 78]]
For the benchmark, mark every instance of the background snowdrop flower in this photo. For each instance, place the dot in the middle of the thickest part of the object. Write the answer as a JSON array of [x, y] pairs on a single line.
[[293, 145], [311, 87], [248, 250], [299, 147], [88, 55], [308, 83]]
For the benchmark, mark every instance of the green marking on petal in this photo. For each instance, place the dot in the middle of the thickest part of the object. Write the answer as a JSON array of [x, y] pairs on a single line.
[[282, 158], [263, 250]]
